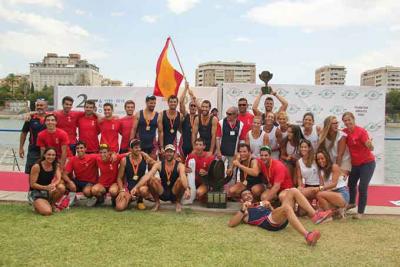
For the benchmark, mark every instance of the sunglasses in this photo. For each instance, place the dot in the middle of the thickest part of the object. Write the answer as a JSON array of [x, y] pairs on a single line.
[[242, 105], [193, 106], [230, 113]]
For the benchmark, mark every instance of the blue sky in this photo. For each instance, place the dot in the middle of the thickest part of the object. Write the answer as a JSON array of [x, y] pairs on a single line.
[[124, 38]]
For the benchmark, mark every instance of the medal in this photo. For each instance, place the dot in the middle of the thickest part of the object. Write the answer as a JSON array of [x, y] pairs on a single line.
[[171, 123], [168, 171], [147, 121], [245, 174], [147, 128], [135, 167], [168, 182], [245, 182], [135, 177], [171, 131]]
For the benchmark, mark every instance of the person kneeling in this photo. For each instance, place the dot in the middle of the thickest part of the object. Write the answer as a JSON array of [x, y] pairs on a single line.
[[45, 183], [263, 215], [172, 184]]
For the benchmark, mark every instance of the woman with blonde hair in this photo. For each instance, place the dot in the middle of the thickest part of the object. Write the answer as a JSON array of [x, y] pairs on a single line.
[[334, 141], [283, 120], [256, 137]]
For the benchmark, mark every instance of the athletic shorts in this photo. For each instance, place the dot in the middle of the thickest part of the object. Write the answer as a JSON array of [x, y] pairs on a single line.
[[254, 181], [81, 184], [344, 192], [36, 194], [167, 195], [270, 225]]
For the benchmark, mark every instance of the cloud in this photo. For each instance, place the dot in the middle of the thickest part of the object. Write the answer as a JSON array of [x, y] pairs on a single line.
[[44, 3], [312, 15], [36, 35], [150, 18], [80, 12], [181, 6], [242, 39], [117, 14]]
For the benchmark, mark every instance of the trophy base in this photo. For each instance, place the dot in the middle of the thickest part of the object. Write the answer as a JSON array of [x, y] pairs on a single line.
[[216, 200]]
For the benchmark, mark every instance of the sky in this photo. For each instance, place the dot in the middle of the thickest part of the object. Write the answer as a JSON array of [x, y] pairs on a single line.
[[290, 38]]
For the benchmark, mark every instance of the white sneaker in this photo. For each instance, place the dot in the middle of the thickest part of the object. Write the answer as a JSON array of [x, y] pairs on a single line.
[[91, 202]]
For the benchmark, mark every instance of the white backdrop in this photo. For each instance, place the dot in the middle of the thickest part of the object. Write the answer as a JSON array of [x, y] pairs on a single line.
[[367, 103], [118, 95]]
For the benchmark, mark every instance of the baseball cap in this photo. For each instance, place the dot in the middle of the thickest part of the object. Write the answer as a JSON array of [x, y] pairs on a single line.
[[171, 147], [134, 142]]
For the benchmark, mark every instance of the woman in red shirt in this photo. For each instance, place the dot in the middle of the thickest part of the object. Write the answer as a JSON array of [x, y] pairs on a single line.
[[362, 161]]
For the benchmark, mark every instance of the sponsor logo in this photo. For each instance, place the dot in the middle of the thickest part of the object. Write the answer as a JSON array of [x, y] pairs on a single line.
[[293, 109], [57, 140], [315, 109], [337, 110], [303, 93], [254, 92], [373, 94], [282, 92], [327, 93], [350, 94], [373, 126], [234, 92]]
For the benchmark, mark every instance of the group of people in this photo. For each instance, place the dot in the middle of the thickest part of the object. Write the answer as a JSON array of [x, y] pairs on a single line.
[[278, 170]]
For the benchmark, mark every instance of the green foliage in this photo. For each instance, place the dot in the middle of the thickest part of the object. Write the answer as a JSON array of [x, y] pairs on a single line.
[[393, 102]]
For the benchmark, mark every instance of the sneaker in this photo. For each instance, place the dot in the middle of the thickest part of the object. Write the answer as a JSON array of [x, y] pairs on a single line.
[[312, 237], [72, 199], [321, 216], [141, 206], [91, 202]]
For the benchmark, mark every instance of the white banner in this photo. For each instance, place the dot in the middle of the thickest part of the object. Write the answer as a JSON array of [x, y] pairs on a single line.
[[120, 94], [367, 104]]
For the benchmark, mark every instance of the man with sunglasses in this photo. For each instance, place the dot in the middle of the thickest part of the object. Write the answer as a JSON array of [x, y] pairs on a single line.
[[34, 126], [173, 183], [131, 170], [276, 174], [228, 138], [244, 116], [185, 143], [145, 127]]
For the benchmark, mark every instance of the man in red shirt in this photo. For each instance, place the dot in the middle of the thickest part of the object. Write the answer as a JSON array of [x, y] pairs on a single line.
[[88, 128], [275, 173], [244, 116], [108, 167], [109, 128], [67, 120], [126, 126], [202, 162], [54, 137], [81, 172]]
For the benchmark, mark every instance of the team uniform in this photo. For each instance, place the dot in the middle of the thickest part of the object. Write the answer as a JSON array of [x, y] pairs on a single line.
[[309, 174], [312, 137], [170, 128], [201, 162], [262, 217], [277, 172], [168, 182], [88, 132], [248, 180], [146, 132], [34, 126], [247, 120], [56, 139], [109, 133], [125, 132], [186, 136], [205, 132], [84, 170], [69, 122], [134, 173], [108, 171], [230, 135], [273, 142]]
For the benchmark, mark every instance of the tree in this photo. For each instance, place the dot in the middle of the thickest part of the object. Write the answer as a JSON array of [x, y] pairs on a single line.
[[11, 79]]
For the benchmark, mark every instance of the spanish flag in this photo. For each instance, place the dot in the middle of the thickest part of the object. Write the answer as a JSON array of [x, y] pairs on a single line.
[[167, 78]]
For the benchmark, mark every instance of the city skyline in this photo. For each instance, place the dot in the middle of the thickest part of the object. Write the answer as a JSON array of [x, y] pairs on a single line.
[[124, 39]]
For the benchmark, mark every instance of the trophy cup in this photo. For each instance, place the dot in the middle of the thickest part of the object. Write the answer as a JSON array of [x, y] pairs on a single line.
[[215, 180], [266, 76]]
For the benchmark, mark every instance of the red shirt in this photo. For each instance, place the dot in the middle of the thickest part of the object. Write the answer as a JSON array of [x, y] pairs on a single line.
[[56, 140], [202, 162], [108, 171], [109, 133], [84, 169], [125, 130], [68, 122], [359, 152], [247, 120], [277, 172], [88, 132]]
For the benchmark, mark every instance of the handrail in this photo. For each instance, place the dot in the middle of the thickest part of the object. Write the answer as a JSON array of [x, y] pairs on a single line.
[[389, 138]]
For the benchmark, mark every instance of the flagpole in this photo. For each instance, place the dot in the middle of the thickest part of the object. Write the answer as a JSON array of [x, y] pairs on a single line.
[[177, 57]]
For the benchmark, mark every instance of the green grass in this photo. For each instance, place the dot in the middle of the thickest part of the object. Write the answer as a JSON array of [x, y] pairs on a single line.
[[103, 237]]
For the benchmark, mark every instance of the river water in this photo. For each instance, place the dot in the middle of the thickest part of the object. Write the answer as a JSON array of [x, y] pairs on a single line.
[[9, 140]]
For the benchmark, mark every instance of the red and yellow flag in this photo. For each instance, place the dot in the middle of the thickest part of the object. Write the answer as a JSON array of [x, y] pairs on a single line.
[[168, 79]]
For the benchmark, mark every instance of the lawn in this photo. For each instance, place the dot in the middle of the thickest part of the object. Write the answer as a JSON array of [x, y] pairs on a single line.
[[103, 237]]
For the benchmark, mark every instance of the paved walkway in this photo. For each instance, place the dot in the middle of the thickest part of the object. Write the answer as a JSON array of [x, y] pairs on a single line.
[[232, 207]]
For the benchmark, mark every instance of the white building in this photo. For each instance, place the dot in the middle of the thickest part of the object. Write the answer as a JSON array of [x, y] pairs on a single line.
[[330, 75], [217, 72], [61, 70], [385, 76]]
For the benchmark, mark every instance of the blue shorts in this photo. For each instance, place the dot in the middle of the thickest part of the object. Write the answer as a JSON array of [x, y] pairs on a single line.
[[81, 184], [167, 195], [344, 192]]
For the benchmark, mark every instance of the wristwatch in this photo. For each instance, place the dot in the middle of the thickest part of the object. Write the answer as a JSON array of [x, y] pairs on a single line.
[[321, 188]]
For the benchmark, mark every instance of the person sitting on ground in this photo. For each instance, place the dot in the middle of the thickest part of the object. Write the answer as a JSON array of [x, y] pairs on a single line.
[[131, 169], [275, 173], [202, 162], [333, 193], [172, 184], [249, 176], [308, 181], [45, 183], [265, 216], [81, 173]]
